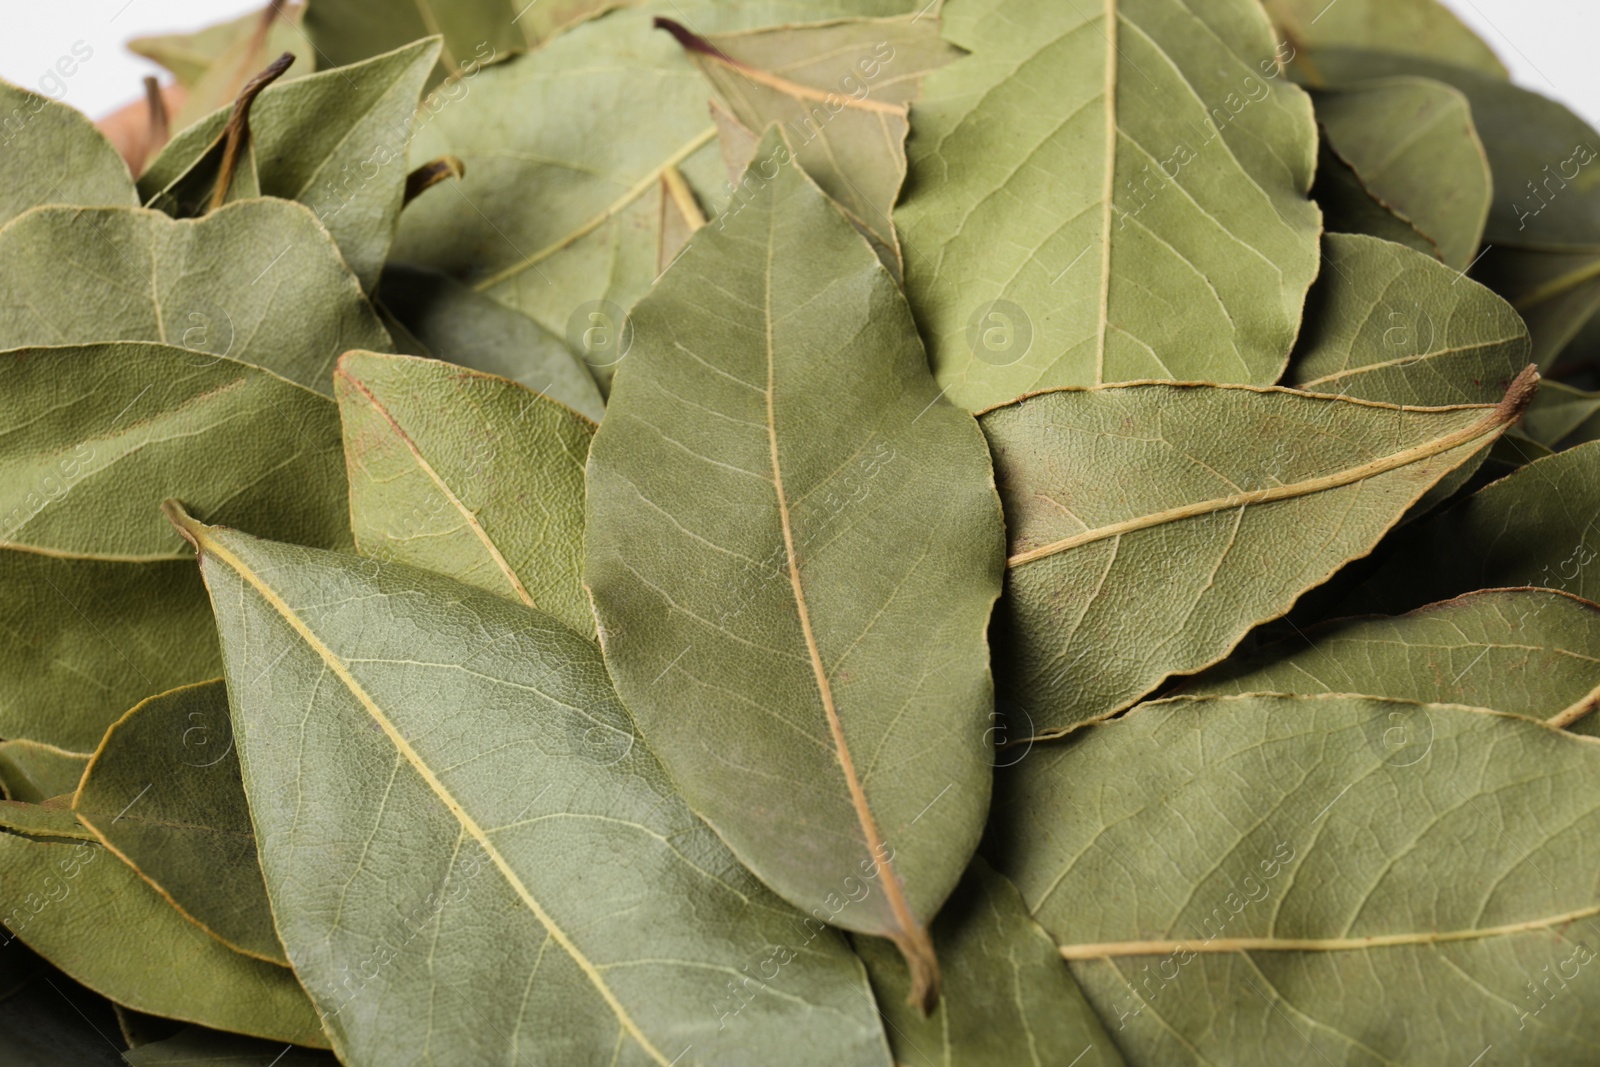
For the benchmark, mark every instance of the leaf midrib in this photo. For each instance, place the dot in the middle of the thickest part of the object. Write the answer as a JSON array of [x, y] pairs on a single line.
[[209, 546], [1106, 950], [1498, 418]]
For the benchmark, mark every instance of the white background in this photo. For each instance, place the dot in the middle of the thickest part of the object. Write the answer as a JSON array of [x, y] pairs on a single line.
[[1548, 44]]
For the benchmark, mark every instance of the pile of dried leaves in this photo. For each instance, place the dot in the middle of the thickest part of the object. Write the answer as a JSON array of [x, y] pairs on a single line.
[[1024, 533]]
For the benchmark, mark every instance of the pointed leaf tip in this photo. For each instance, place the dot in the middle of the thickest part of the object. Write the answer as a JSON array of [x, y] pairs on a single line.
[[189, 528]]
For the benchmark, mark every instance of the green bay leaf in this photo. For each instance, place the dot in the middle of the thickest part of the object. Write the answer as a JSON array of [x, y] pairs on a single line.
[[1532, 652], [257, 281], [1413, 145], [791, 532], [1008, 997], [163, 792], [196, 1045], [91, 915], [97, 436], [1117, 193], [1409, 30], [456, 324], [51, 153], [468, 475], [523, 879], [31, 771], [1387, 323], [1281, 883], [335, 141], [1152, 526], [82, 640]]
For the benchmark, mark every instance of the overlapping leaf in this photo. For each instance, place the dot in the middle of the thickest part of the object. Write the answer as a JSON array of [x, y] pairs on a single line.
[[31, 772], [1387, 323], [1116, 192], [588, 244], [1412, 143], [91, 915], [468, 475], [189, 56], [461, 326], [1244, 499], [1535, 527], [195, 1045], [1293, 879], [843, 91], [466, 814], [163, 793], [335, 141], [1008, 998], [1415, 29], [791, 532], [95, 437], [1532, 652], [257, 281], [51, 154]]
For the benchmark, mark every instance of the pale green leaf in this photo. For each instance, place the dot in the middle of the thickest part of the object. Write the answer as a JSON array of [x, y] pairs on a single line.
[[791, 533], [163, 793], [52, 818], [95, 437], [31, 771], [472, 32], [257, 281], [82, 640], [458, 325], [1412, 142], [1008, 996], [468, 475], [588, 243], [52, 154], [1348, 206], [1152, 526], [91, 915], [1531, 528], [843, 92], [1388, 323], [1532, 652], [335, 141], [1101, 197], [1408, 29], [466, 848], [1318, 879]]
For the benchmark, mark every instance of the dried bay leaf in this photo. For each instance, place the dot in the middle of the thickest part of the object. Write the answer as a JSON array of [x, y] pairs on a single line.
[[1555, 289], [1561, 416], [456, 324], [52, 154], [588, 244], [97, 436], [1387, 323], [1409, 30], [1348, 206], [469, 475], [1152, 526], [91, 915], [1108, 197], [196, 1045], [792, 533], [471, 32], [335, 141], [1530, 528], [257, 281], [51, 819], [1413, 144], [32, 772], [843, 90], [82, 640], [1008, 997], [190, 55], [242, 47], [1532, 652], [1279, 873], [524, 874], [163, 793]]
